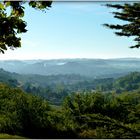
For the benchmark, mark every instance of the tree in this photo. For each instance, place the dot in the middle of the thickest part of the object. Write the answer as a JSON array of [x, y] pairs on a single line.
[[12, 23], [129, 12]]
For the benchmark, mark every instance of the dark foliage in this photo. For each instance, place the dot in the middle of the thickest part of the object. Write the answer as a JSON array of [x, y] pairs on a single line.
[[129, 12], [12, 24]]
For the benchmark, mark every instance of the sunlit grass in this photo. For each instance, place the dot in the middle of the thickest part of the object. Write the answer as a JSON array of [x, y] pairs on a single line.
[[7, 136]]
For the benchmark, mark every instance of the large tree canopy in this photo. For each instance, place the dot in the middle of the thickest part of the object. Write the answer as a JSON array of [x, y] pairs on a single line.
[[129, 12], [12, 23]]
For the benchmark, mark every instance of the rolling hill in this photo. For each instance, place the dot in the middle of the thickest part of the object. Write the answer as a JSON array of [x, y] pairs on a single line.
[[95, 68]]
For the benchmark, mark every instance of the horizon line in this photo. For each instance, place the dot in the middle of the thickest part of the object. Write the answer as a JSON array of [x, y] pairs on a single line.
[[68, 58]]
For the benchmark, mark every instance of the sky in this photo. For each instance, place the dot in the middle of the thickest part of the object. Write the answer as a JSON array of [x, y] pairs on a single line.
[[71, 30]]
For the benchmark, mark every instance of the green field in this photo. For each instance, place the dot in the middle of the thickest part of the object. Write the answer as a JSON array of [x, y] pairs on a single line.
[[7, 136]]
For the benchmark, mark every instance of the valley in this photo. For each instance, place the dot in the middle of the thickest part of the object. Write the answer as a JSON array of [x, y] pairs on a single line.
[[60, 99]]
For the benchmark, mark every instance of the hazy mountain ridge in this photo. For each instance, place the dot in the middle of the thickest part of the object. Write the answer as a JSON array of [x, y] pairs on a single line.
[[85, 67]]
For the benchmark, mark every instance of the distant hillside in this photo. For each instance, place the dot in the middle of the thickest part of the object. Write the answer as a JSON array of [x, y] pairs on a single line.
[[72, 82], [95, 68], [8, 78], [56, 87], [129, 82]]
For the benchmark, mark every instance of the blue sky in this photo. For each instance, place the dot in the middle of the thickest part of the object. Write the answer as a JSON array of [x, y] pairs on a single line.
[[71, 30]]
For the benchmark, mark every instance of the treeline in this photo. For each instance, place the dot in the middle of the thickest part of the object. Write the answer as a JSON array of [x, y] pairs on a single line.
[[56, 87], [27, 115], [56, 93], [82, 115]]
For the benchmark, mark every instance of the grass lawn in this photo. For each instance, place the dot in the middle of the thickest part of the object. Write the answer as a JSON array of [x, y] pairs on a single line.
[[7, 136]]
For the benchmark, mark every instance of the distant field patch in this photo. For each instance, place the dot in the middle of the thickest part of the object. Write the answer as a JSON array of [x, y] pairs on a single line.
[[7, 136]]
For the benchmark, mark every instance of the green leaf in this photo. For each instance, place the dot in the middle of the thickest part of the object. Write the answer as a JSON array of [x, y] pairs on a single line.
[[8, 3], [3, 47], [1, 51], [32, 3], [1, 6]]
